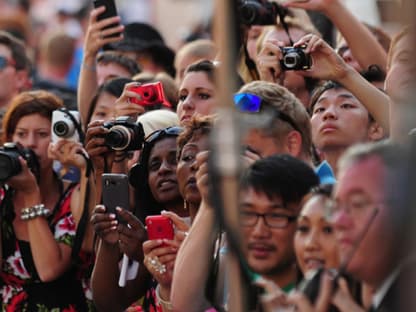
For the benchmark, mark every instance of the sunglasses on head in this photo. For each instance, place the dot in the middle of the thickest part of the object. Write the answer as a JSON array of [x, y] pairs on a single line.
[[159, 134], [251, 103], [4, 62]]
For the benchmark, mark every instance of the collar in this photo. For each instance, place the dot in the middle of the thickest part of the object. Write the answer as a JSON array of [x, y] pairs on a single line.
[[385, 286]]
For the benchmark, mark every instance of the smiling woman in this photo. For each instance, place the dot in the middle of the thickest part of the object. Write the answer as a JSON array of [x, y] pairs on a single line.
[[315, 243]]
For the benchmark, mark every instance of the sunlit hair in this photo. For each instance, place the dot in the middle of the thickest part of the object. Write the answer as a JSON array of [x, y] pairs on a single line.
[[197, 127], [407, 30]]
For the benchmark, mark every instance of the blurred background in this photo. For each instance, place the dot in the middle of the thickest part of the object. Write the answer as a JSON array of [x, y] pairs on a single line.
[[179, 19]]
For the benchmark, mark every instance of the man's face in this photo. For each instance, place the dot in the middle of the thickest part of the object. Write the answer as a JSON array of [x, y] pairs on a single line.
[[362, 216], [339, 120], [263, 143], [400, 79], [9, 78], [268, 250], [110, 71]]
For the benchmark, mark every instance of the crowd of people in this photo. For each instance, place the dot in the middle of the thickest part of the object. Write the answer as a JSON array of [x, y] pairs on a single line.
[[104, 133]]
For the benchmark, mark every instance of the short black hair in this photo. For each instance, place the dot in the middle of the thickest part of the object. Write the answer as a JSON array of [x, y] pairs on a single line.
[[127, 63], [280, 175]]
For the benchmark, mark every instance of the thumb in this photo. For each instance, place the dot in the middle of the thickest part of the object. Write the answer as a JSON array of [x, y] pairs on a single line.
[[180, 223]]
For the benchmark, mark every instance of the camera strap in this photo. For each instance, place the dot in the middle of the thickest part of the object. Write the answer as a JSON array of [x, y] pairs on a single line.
[[282, 14], [75, 122]]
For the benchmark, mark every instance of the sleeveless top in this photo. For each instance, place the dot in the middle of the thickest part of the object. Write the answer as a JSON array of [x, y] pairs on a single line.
[[20, 286]]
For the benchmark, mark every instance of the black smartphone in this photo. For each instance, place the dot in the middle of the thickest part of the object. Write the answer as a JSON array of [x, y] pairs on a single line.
[[110, 11], [115, 192]]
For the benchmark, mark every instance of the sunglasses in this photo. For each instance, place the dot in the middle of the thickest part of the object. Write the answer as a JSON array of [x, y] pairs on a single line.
[[4, 62], [251, 103], [159, 134]]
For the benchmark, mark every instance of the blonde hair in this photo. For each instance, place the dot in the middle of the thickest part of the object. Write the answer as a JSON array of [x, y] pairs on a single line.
[[157, 119]]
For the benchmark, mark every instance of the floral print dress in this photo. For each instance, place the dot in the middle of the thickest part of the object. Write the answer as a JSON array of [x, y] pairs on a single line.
[[21, 288]]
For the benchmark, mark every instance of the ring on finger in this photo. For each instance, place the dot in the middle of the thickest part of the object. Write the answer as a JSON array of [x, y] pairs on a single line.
[[156, 265]]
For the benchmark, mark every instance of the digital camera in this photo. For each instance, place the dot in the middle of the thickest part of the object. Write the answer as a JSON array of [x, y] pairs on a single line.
[[259, 12], [294, 58], [124, 134], [9, 160], [151, 96], [64, 127]]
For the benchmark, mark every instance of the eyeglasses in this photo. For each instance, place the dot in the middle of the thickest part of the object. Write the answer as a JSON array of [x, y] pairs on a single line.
[[356, 207], [251, 103], [4, 62], [272, 220], [159, 134]]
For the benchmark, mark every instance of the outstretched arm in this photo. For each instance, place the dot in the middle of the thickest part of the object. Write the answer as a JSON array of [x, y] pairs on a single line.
[[96, 37], [328, 65], [362, 43]]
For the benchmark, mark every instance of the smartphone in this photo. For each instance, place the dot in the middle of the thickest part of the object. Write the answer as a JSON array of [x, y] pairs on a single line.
[[159, 227], [115, 190], [110, 11]]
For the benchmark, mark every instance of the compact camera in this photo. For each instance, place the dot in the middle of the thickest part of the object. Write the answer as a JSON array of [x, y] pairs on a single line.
[[124, 134], [259, 12], [151, 96], [9, 160], [294, 58], [64, 125]]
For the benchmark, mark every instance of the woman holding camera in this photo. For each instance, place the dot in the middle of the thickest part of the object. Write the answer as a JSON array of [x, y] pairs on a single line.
[[154, 178], [37, 227]]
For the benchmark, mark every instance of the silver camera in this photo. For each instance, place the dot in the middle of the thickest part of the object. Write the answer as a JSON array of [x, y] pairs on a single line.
[[64, 126]]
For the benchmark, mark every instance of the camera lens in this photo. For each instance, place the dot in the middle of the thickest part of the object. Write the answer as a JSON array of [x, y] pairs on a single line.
[[8, 166], [248, 14], [291, 60], [118, 138], [62, 129]]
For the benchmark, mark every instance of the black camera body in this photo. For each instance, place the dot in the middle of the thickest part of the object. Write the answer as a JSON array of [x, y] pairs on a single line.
[[124, 134], [294, 58], [10, 164], [259, 12]]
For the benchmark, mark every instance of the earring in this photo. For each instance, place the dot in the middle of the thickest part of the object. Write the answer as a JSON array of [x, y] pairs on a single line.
[[185, 204]]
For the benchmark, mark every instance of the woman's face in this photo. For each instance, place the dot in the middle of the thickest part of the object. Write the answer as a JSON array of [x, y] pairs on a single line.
[[186, 169], [290, 79], [315, 243], [253, 34], [104, 109], [196, 96], [34, 132], [339, 120], [162, 171]]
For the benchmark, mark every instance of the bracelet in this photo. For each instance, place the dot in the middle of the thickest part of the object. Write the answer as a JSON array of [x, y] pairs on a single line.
[[91, 68], [35, 211], [165, 304]]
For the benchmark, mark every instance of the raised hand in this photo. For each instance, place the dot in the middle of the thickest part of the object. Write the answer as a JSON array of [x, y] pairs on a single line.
[[105, 225], [96, 36], [326, 63], [268, 61], [132, 234], [68, 153], [124, 107]]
